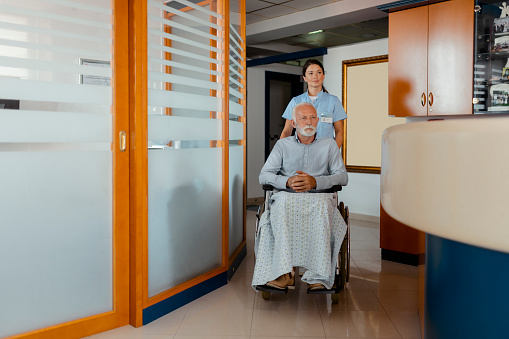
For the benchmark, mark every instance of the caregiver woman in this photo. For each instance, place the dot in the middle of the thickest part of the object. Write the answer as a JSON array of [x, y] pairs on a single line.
[[330, 111]]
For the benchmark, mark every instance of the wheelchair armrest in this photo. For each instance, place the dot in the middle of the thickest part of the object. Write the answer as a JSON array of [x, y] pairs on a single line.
[[335, 188]]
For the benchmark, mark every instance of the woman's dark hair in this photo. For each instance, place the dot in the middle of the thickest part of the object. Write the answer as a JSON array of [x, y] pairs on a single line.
[[313, 62]]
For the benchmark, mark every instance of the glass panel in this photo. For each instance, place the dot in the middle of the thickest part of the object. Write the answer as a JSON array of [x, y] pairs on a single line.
[[184, 166], [491, 59], [236, 128], [55, 147], [236, 158], [184, 217]]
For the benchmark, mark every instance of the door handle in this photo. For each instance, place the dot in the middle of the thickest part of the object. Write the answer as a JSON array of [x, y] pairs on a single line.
[[430, 99], [423, 99], [122, 136]]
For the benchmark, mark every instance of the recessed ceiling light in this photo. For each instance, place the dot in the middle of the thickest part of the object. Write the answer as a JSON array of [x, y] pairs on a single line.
[[314, 32]]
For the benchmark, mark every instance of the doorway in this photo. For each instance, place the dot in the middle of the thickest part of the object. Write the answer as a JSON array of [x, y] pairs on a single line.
[[280, 88]]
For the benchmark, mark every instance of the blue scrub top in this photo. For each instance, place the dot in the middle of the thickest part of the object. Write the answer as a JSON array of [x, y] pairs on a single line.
[[327, 106]]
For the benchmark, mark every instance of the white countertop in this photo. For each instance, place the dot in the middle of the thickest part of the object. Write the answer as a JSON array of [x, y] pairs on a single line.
[[450, 178]]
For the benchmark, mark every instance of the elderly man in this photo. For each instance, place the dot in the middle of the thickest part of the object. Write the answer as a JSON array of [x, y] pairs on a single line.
[[301, 229]]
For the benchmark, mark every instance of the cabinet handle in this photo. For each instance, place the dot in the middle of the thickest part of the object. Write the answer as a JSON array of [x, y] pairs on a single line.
[[430, 99], [122, 141], [423, 99]]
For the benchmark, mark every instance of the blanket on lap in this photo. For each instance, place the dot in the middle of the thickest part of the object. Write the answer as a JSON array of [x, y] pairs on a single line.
[[301, 229]]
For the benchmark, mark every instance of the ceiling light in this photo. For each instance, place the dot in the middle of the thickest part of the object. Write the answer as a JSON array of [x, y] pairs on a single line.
[[314, 32]]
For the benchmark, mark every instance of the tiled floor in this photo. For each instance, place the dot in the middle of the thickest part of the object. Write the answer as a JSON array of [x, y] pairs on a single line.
[[380, 301]]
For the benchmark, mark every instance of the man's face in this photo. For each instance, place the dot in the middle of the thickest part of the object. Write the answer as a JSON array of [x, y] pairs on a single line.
[[306, 120]]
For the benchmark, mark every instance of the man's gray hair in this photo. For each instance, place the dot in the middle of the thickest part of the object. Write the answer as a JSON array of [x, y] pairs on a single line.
[[294, 110]]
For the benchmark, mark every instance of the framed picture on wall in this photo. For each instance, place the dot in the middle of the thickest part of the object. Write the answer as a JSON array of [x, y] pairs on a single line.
[[365, 99]]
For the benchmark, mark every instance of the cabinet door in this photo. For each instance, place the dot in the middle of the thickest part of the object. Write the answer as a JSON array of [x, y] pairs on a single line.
[[408, 42], [450, 57]]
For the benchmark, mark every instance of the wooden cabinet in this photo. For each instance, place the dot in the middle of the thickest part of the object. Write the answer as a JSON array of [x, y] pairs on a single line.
[[431, 53]]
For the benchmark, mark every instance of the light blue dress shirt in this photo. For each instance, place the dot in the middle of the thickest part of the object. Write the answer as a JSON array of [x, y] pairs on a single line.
[[320, 159], [328, 108]]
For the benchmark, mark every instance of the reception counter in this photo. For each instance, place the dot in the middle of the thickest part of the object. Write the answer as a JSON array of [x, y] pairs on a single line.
[[450, 179]]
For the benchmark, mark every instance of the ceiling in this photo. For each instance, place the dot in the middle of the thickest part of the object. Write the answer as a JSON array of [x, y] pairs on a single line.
[[350, 25]]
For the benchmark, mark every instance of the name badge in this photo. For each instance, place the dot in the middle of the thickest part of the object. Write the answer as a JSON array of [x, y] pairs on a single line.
[[327, 118]]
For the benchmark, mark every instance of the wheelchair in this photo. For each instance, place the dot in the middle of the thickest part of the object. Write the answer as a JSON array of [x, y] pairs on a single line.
[[342, 275]]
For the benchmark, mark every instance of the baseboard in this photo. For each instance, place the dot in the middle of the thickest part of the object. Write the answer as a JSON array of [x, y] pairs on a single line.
[[365, 217], [254, 201], [400, 257], [236, 263]]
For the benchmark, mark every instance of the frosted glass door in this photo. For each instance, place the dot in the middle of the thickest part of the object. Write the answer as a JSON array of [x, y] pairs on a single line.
[[184, 162], [56, 181]]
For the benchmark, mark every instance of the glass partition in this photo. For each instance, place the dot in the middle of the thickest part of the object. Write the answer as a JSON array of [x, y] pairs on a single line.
[[185, 166], [236, 127], [56, 154]]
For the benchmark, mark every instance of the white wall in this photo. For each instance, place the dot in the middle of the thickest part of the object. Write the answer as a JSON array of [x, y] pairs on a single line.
[[362, 195], [256, 122]]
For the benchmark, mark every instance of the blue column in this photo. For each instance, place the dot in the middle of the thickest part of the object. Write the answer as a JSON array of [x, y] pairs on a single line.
[[467, 291]]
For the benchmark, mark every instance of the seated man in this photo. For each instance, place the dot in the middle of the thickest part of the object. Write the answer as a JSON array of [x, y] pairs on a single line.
[[301, 229]]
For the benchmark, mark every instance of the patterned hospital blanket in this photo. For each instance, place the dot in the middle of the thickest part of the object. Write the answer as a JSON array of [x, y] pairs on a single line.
[[301, 229]]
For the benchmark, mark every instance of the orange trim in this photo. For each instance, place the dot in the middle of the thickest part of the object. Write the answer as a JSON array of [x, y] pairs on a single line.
[[167, 69], [138, 157], [184, 286], [243, 102], [77, 328], [226, 133], [186, 9]]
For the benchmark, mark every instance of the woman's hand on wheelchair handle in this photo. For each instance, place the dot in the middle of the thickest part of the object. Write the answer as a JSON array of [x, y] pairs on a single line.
[[302, 182]]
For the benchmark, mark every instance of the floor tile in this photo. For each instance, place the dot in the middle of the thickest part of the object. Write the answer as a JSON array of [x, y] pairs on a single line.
[[407, 324], [289, 323], [350, 300], [293, 300], [377, 267], [387, 282], [185, 336], [278, 337], [363, 254], [129, 332], [404, 301], [219, 321], [358, 324], [229, 296], [243, 278]]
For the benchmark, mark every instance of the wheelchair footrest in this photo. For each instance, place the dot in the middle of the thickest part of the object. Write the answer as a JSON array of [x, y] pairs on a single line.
[[265, 288], [322, 291]]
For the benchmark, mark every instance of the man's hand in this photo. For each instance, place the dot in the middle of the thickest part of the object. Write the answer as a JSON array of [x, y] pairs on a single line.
[[302, 182]]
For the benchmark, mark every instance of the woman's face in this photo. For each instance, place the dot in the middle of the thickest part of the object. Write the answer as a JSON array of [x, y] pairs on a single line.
[[314, 76]]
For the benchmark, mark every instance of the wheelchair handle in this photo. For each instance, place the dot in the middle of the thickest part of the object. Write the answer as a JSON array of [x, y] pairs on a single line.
[[333, 189]]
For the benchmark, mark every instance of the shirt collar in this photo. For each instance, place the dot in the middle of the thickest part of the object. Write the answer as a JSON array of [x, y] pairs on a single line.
[[298, 141], [318, 96]]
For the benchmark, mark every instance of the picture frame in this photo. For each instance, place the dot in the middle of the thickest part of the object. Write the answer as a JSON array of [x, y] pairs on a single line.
[[87, 79], [365, 99]]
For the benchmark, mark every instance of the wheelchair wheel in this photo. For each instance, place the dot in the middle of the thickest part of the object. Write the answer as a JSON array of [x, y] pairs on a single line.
[[334, 298], [265, 295], [347, 220], [343, 265]]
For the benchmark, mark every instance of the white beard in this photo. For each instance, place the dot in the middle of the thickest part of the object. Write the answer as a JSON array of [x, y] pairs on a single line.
[[306, 131]]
